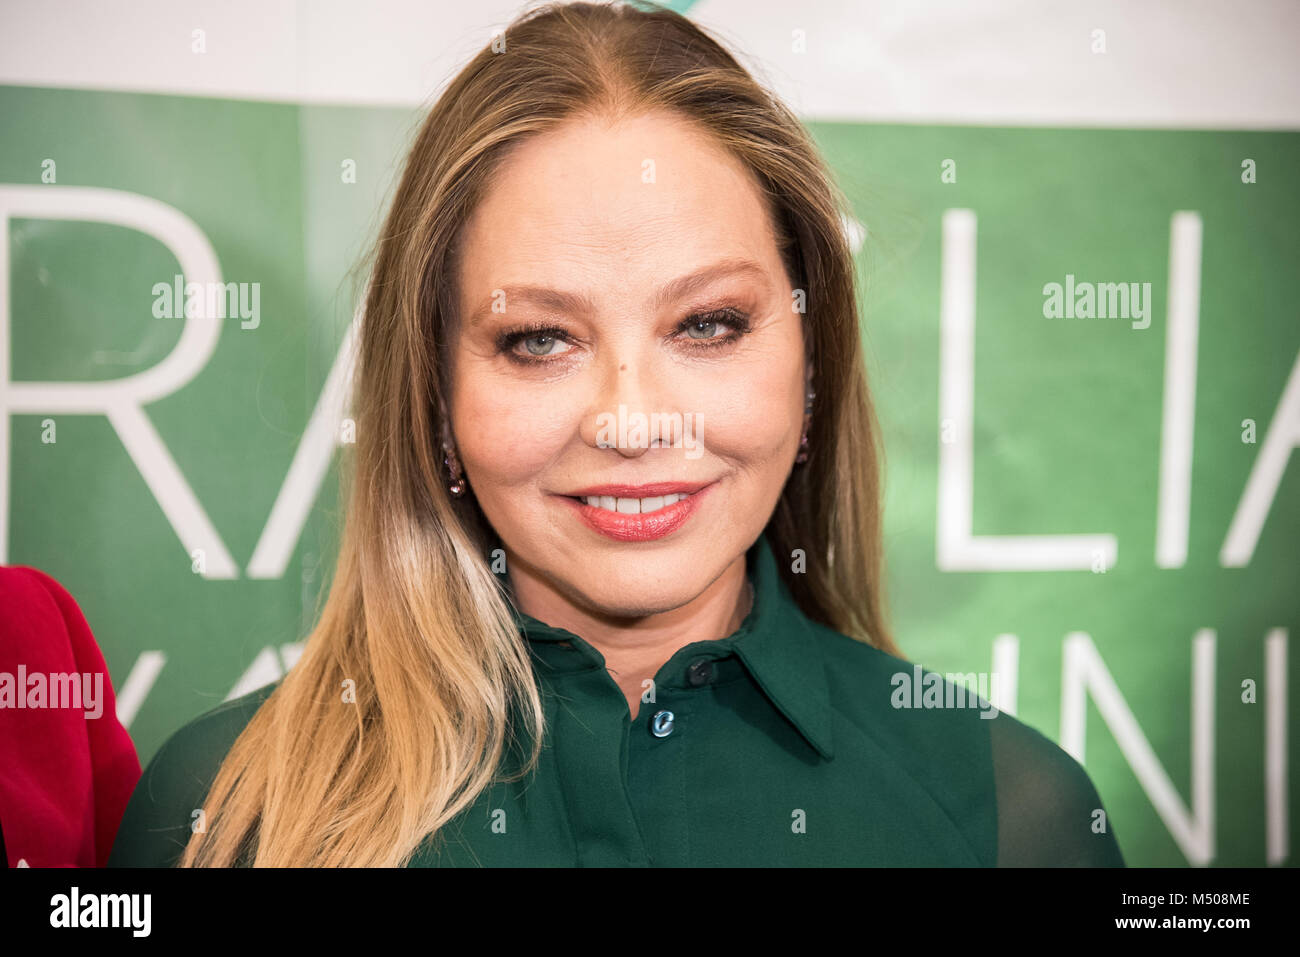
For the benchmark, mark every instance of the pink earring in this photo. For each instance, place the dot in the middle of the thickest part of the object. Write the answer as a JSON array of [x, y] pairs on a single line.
[[449, 459]]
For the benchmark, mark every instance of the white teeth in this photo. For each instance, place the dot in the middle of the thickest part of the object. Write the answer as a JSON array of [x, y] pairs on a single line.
[[634, 506]]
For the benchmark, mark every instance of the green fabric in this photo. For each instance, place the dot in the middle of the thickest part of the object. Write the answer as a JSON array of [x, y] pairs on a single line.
[[791, 753]]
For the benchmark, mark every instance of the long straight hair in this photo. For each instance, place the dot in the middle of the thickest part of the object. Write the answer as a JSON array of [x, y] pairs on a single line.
[[416, 627]]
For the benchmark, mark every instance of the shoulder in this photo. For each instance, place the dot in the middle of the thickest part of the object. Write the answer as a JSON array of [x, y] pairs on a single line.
[[908, 724], [42, 625], [158, 819], [1049, 811], [983, 765], [904, 703], [34, 604], [25, 582]]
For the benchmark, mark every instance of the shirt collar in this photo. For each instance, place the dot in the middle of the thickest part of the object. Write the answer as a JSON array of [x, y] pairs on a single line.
[[776, 642]]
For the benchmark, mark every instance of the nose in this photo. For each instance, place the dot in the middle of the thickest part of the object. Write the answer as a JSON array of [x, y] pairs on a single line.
[[628, 412]]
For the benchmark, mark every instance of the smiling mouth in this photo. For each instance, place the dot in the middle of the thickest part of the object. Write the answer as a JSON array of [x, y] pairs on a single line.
[[630, 506], [638, 518]]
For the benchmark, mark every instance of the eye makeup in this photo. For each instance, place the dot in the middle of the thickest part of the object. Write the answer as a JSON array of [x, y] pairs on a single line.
[[508, 341]]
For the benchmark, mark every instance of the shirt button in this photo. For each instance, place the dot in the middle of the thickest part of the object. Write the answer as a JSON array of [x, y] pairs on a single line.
[[661, 725], [700, 672]]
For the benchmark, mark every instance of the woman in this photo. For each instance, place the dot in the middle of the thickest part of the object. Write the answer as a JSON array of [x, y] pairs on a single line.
[[611, 407]]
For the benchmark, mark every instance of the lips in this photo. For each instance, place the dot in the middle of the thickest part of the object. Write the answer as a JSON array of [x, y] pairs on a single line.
[[637, 513], [641, 491]]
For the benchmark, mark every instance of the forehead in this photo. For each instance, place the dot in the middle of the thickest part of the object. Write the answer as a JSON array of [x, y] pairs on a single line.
[[639, 201]]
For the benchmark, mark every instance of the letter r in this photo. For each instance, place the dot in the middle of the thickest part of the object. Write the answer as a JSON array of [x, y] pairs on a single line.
[[122, 400]]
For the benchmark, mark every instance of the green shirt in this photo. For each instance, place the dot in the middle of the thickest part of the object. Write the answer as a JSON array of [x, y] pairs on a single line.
[[783, 744]]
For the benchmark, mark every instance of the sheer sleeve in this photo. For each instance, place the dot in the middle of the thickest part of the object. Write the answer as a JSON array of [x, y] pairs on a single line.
[[1049, 813]]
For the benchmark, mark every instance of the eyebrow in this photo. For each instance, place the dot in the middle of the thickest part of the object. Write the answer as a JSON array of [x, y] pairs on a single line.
[[557, 300]]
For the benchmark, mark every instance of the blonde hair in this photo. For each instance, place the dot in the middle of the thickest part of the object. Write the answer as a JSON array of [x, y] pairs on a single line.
[[414, 616]]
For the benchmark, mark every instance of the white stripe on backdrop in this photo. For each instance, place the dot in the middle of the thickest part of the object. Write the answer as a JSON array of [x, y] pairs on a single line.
[[1189, 64]]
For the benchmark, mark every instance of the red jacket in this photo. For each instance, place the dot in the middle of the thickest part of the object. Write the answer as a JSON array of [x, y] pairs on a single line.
[[65, 777]]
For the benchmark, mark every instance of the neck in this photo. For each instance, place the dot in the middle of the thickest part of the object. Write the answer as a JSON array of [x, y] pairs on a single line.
[[636, 648]]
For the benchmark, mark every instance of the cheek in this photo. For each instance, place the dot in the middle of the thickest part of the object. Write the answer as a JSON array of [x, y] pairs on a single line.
[[506, 437], [752, 416]]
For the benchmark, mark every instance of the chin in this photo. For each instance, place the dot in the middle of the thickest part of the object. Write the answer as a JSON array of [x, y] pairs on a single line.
[[632, 588]]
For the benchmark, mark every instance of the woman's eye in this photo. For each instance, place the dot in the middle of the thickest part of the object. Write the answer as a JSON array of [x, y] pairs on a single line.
[[701, 328], [543, 344], [715, 328]]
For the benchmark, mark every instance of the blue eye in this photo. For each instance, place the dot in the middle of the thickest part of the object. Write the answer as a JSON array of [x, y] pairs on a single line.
[[538, 344], [542, 344], [716, 328], [703, 327]]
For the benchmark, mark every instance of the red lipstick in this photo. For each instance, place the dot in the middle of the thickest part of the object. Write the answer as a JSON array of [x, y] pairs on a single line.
[[646, 527]]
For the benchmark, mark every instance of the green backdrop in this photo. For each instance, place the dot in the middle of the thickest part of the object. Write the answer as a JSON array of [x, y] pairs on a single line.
[[1066, 420]]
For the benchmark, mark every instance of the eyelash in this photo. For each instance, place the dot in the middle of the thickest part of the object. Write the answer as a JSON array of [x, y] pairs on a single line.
[[734, 318]]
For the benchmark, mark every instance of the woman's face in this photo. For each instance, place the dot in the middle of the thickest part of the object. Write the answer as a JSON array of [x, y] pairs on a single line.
[[627, 337]]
